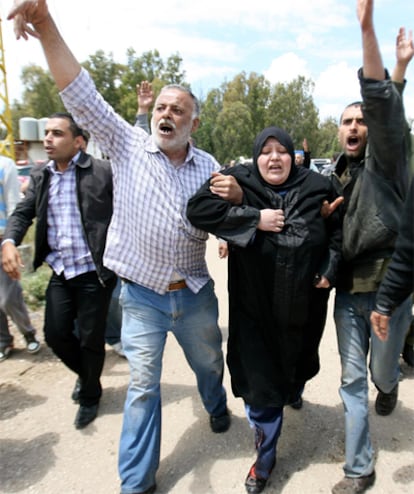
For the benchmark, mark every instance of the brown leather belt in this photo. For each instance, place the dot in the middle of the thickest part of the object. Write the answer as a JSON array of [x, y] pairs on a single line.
[[177, 285]]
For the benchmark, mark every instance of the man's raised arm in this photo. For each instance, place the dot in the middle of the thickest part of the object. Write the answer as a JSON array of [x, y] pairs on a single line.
[[32, 18], [373, 67]]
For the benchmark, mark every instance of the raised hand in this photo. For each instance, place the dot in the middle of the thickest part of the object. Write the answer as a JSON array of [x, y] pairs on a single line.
[[26, 15], [145, 96]]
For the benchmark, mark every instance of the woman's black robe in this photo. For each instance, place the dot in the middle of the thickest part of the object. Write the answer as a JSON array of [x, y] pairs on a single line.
[[276, 316]]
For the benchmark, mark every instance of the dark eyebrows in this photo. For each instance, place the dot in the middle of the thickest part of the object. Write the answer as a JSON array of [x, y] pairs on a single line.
[[348, 121]]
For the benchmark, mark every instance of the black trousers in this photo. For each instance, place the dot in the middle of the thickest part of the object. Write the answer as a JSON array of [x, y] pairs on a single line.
[[85, 300]]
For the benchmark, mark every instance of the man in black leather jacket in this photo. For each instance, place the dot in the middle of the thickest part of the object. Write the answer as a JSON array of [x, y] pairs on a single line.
[[371, 173], [71, 199], [398, 282]]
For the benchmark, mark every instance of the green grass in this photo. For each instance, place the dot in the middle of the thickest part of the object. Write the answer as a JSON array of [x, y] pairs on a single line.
[[34, 283], [34, 287]]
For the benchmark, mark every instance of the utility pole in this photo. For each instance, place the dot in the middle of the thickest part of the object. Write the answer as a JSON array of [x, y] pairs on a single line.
[[6, 127]]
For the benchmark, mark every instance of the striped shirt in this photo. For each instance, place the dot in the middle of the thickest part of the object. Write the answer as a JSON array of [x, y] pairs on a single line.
[[150, 239], [69, 250]]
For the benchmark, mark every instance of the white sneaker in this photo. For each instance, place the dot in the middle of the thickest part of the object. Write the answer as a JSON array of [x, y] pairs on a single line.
[[117, 347], [32, 345], [5, 352]]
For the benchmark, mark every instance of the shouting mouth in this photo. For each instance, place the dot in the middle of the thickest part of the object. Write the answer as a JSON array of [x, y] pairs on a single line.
[[166, 127]]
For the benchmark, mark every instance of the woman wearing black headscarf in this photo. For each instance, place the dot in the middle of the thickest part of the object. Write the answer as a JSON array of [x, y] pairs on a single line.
[[282, 260]]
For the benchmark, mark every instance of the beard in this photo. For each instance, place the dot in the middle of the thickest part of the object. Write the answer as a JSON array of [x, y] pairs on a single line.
[[166, 143]]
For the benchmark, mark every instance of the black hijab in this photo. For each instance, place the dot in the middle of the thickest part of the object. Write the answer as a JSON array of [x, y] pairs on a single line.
[[284, 138]]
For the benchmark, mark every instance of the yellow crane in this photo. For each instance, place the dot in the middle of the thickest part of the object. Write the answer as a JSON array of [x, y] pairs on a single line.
[[6, 127]]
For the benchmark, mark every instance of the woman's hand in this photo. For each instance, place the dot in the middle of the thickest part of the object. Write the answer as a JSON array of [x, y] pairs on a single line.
[[271, 220]]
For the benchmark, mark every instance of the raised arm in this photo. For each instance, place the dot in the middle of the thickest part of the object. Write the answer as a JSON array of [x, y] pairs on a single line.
[[145, 98], [404, 52], [373, 67], [32, 18]]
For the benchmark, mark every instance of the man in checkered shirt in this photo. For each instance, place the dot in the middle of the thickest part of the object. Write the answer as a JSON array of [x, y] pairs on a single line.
[[151, 244]]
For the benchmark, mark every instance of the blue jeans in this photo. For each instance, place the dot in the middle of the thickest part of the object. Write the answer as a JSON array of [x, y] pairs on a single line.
[[267, 424], [146, 319], [352, 313]]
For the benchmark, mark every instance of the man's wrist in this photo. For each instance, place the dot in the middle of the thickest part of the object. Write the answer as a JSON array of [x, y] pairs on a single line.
[[383, 310], [6, 240]]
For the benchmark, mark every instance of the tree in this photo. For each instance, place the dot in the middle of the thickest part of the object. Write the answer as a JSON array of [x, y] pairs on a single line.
[[150, 67], [254, 92], [231, 115], [40, 96], [210, 110], [293, 109], [107, 75], [327, 143], [231, 139]]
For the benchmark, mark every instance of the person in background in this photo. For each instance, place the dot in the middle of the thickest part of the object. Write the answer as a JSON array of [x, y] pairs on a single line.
[[113, 327], [303, 156], [282, 261], [398, 282], [404, 55], [151, 245], [71, 198], [371, 174], [145, 99], [114, 317], [11, 295]]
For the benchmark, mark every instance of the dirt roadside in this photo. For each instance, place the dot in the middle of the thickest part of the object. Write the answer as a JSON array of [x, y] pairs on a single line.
[[42, 453]]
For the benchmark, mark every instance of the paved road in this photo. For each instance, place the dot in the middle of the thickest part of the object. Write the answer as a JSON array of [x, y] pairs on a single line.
[[42, 453]]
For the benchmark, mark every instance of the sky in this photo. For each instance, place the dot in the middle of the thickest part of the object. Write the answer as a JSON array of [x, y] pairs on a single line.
[[218, 39]]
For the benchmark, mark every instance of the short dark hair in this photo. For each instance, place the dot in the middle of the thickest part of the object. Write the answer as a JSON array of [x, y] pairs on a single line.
[[73, 126], [354, 103]]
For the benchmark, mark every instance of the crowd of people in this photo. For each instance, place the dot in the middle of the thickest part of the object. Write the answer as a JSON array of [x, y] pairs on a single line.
[[139, 221]]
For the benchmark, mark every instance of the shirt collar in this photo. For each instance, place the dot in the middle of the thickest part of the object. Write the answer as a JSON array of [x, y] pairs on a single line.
[[51, 166], [151, 147]]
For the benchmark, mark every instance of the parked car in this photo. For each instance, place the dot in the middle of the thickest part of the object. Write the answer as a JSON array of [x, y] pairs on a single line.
[[322, 164]]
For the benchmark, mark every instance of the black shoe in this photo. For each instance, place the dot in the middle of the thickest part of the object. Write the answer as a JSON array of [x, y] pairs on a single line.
[[150, 490], [298, 404], [85, 415], [385, 402], [408, 355], [76, 390], [356, 485], [220, 423], [253, 483], [32, 344]]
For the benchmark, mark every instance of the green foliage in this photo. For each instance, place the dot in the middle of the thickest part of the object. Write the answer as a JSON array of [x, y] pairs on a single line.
[[292, 108], [233, 140], [34, 287], [107, 75], [210, 110], [40, 97], [231, 115], [327, 144]]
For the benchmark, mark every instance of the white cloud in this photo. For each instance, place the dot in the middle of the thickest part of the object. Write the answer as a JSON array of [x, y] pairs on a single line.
[[335, 87], [318, 39], [286, 67]]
